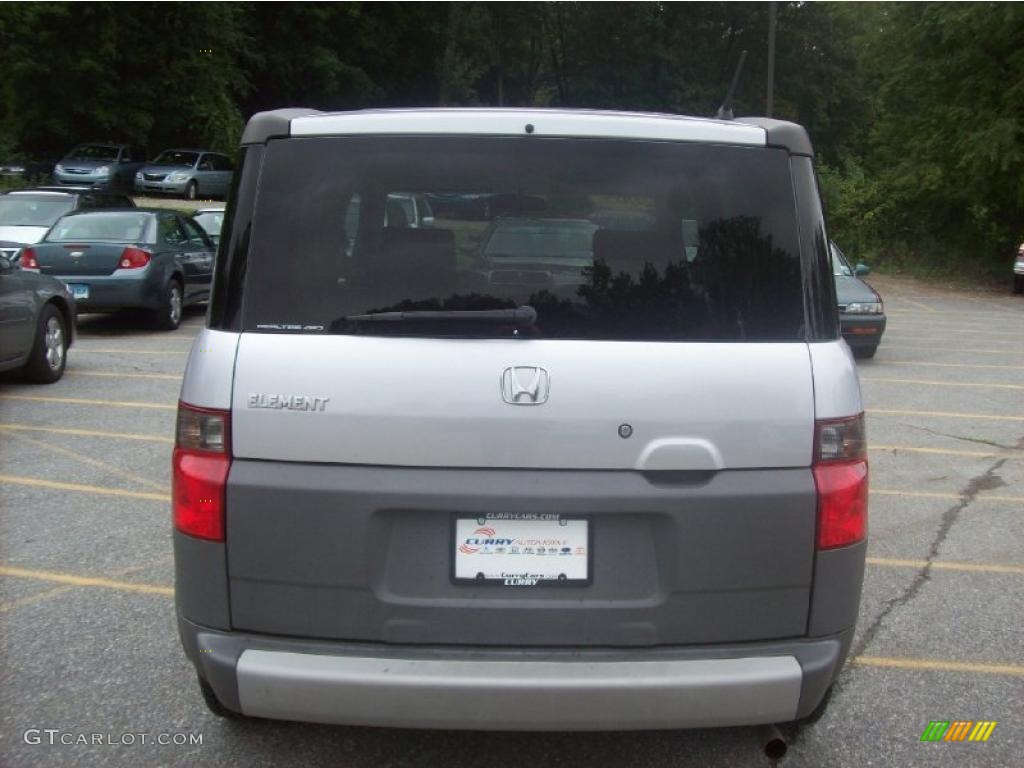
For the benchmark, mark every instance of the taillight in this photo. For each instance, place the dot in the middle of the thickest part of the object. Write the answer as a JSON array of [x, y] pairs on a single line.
[[28, 259], [202, 458], [134, 258], [841, 477]]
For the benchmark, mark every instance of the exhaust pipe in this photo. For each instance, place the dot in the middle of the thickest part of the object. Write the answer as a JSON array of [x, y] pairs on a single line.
[[772, 742]]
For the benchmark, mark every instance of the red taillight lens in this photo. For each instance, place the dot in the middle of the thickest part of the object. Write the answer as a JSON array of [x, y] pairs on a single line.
[[202, 458], [842, 503], [28, 259], [134, 258], [841, 477]]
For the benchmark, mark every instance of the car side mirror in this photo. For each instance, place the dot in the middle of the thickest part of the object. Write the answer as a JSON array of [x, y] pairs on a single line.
[[861, 270], [427, 221], [6, 266]]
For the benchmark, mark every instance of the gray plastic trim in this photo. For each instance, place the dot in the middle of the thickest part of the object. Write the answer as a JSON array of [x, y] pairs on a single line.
[[781, 133], [267, 125], [201, 581], [210, 370], [835, 600], [519, 695]]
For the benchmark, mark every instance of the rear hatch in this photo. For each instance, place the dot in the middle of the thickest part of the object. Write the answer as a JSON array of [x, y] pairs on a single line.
[[662, 395], [78, 259], [91, 244]]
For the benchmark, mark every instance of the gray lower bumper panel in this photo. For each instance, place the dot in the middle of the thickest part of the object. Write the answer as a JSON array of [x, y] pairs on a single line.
[[518, 695]]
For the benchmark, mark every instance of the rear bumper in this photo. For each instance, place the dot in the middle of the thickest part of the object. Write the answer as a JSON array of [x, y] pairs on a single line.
[[117, 291], [515, 689], [862, 330]]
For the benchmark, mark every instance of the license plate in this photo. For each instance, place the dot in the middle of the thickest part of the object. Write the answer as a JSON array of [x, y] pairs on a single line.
[[521, 550], [79, 291]]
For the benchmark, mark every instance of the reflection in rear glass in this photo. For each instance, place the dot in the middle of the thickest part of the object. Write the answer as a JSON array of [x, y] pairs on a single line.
[[605, 239]]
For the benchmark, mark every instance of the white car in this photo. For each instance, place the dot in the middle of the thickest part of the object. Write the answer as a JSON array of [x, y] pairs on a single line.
[[1018, 271]]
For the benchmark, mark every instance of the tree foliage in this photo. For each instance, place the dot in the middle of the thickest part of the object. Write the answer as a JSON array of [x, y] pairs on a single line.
[[916, 109]]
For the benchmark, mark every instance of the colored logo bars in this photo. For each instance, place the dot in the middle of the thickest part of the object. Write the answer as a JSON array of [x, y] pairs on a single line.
[[958, 730]]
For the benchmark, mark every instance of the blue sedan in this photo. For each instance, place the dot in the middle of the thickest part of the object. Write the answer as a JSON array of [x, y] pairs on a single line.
[[138, 258]]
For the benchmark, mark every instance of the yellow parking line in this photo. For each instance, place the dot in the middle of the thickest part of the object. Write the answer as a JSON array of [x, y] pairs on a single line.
[[917, 304], [914, 321], [125, 375], [957, 350], [944, 451], [47, 594], [35, 482], [87, 433], [943, 414], [89, 461], [946, 495], [942, 565], [931, 383], [929, 364], [939, 665], [39, 597], [84, 581], [125, 351], [968, 314], [88, 401], [960, 330]]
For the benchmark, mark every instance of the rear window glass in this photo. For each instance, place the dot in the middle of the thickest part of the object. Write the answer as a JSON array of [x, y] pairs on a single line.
[[106, 227], [210, 221], [33, 210], [176, 157], [93, 152], [604, 239]]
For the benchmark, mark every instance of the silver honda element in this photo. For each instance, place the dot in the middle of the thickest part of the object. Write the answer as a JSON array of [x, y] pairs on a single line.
[[594, 460]]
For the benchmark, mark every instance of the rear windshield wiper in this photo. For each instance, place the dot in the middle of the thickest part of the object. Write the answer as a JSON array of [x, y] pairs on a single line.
[[521, 317]]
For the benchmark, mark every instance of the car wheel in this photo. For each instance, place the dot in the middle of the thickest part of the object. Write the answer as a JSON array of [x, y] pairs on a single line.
[[191, 191], [213, 703], [50, 349], [1018, 283], [864, 353], [168, 316]]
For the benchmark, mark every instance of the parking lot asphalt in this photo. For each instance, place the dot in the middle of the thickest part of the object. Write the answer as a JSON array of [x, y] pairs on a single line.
[[88, 643]]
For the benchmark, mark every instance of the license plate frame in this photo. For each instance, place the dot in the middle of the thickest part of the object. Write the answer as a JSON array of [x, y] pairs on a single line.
[[79, 291], [523, 569]]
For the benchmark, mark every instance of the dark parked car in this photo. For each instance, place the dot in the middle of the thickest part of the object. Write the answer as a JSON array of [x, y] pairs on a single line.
[[861, 312], [102, 166], [189, 173], [137, 258], [537, 252], [37, 323], [27, 214], [34, 168]]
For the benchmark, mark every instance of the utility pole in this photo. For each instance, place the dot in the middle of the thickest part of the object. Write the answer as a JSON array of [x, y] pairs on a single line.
[[770, 100]]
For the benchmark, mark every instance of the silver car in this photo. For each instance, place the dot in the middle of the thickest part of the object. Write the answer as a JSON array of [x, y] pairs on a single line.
[[620, 483], [101, 166], [188, 173]]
